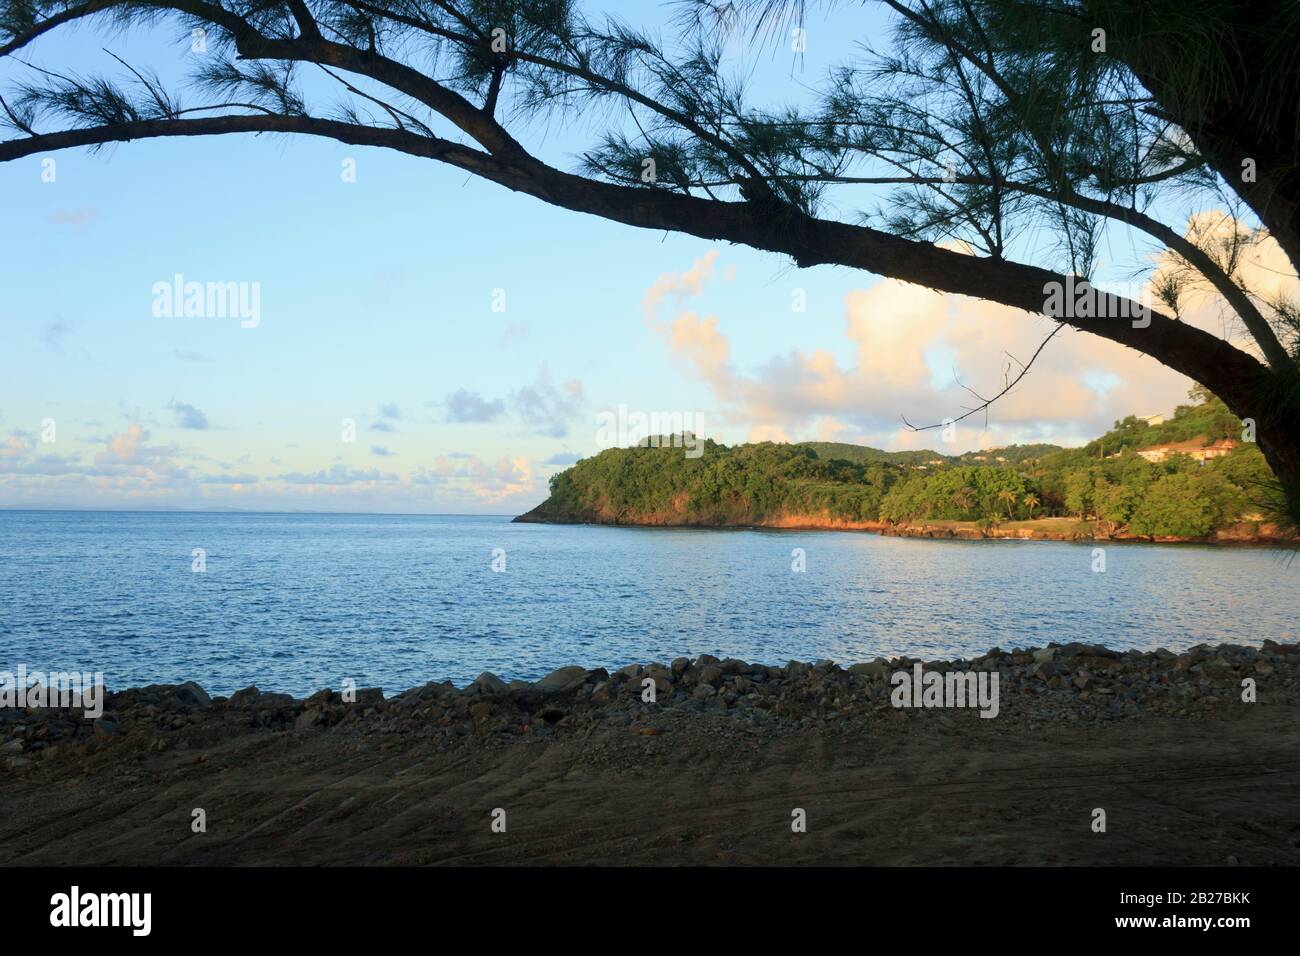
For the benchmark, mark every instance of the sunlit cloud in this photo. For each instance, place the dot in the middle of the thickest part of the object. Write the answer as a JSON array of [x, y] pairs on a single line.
[[928, 357]]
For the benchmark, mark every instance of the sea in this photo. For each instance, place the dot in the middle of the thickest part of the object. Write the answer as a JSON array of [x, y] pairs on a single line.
[[298, 602]]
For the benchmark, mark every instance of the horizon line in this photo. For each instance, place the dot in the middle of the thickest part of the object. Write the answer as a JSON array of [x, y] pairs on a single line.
[[251, 511]]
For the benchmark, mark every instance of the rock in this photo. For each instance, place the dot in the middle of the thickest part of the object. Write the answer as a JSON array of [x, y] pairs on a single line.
[[1044, 654], [195, 696], [1051, 669], [480, 711], [711, 675], [12, 747], [563, 679], [516, 685], [105, 728], [1217, 667], [680, 665], [307, 720], [703, 691], [490, 683], [246, 697], [876, 668], [662, 676]]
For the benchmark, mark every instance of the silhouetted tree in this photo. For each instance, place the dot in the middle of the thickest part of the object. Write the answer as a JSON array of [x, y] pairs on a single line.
[[992, 122]]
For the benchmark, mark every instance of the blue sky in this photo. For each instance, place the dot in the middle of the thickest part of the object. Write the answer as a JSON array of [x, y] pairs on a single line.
[[376, 305]]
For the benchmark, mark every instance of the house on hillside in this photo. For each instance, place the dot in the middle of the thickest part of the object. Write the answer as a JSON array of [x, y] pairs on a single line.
[[1194, 448]]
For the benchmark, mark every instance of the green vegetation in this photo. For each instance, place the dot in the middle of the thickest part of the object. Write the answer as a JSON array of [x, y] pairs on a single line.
[[863, 454], [726, 485], [1208, 419], [1106, 482]]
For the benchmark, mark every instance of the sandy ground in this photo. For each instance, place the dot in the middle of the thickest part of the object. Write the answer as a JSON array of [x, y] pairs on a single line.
[[689, 789]]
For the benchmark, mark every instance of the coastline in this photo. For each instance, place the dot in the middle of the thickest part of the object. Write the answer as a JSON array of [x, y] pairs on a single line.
[[1243, 535], [708, 773]]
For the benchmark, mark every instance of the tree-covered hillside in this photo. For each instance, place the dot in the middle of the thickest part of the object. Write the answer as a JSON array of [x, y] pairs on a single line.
[[742, 484], [863, 454], [1105, 482]]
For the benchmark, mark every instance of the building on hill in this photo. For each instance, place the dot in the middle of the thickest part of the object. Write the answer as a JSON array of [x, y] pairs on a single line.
[[1194, 448]]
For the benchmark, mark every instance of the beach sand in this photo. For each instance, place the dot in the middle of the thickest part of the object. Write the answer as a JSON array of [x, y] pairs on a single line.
[[1198, 779]]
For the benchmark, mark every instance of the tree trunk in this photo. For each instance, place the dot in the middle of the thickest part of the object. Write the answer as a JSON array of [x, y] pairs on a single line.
[[1232, 84], [1279, 440]]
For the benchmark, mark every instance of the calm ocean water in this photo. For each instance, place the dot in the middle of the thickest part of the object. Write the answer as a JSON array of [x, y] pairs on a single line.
[[299, 602]]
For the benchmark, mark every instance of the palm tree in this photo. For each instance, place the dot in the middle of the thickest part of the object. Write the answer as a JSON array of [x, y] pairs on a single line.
[[1031, 502], [1009, 497]]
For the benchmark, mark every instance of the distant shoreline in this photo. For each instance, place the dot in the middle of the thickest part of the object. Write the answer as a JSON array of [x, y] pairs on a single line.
[[1040, 529]]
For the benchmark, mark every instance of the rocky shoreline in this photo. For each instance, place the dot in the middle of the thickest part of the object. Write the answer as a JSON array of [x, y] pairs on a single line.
[[1073, 683], [589, 773], [1244, 536]]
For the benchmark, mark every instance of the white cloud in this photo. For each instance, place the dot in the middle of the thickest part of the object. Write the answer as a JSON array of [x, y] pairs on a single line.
[[187, 416], [921, 354], [547, 408]]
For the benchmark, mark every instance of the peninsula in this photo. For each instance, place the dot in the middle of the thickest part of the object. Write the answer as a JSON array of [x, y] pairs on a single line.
[[1195, 476]]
